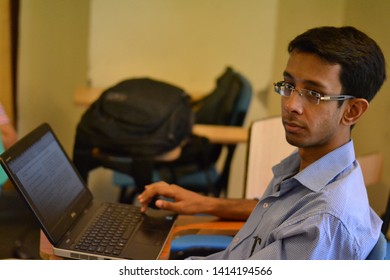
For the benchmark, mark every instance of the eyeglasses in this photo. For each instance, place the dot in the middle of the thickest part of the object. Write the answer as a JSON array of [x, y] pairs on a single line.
[[285, 89]]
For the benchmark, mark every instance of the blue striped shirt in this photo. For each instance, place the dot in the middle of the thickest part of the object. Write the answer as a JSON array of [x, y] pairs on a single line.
[[321, 212]]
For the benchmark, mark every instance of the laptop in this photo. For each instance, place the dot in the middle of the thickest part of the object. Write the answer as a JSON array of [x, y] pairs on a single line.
[[77, 226]]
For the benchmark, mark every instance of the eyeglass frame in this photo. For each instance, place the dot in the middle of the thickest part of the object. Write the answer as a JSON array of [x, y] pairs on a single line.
[[310, 93]]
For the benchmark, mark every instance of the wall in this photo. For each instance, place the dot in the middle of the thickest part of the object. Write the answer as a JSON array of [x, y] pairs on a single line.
[[294, 17], [6, 60], [373, 132], [69, 43], [188, 43], [184, 42], [52, 62]]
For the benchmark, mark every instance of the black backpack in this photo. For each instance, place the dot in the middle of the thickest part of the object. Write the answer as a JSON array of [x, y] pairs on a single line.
[[139, 118]]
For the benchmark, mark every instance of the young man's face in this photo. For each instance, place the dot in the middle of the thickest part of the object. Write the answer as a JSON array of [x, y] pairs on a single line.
[[310, 126]]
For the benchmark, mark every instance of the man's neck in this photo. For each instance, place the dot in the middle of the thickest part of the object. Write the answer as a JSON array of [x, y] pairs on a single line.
[[309, 155]]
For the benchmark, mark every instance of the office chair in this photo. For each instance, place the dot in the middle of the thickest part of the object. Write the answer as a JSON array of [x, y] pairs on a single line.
[[386, 218], [379, 252], [196, 168], [265, 134], [372, 168], [86, 158], [267, 147], [385, 227]]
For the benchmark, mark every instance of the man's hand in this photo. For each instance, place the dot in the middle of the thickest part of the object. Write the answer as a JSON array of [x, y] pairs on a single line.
[[189, 203], [184, 201]]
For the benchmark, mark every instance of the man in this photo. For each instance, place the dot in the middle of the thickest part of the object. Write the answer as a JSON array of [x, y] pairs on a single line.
[[316, 206]]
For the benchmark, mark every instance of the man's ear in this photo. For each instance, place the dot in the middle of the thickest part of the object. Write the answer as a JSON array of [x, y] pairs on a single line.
[[354, 110]]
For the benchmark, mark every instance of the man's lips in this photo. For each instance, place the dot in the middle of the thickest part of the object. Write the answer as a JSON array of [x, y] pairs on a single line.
[[292, 126]]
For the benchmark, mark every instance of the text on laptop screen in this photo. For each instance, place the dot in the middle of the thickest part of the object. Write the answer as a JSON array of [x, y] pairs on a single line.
[[48, 177]]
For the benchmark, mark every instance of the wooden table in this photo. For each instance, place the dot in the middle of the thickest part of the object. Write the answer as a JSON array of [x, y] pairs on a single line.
[[221, 134], [84, 96], [185, 224], [218, 134]]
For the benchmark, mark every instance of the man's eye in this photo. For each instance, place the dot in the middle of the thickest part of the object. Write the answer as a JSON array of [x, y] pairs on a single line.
[[289, 86], [314, 93]]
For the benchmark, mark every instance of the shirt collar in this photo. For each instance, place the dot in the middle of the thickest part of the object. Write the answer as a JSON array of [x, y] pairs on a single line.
[[321, 172]]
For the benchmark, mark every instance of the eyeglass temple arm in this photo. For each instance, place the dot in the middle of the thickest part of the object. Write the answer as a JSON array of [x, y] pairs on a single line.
[[336, 97]]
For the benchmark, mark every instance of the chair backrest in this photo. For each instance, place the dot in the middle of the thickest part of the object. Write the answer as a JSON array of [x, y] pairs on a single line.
[[227, 104], [243, 102], [267, 146], [238, 118], [372, 167], [380, 249], [219, 106], [386, 218]]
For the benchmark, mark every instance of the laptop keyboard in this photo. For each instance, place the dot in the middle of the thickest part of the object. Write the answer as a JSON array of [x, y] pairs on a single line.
[[111, 230]]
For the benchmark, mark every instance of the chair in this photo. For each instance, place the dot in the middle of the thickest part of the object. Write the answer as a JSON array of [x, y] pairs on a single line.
[[87, 158], [379, 252], [267, 147], [372, 168], [385, 226], [386, 218], [196, 168], [189, 245]]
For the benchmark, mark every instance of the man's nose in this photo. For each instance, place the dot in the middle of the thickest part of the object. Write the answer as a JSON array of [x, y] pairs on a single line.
[[294, 103]]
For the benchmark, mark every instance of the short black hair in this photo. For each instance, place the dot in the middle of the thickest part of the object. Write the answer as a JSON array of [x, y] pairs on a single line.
[[363, 66]]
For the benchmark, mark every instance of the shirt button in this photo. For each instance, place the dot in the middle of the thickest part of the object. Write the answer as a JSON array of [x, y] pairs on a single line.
[[236, 240], [265, 205]]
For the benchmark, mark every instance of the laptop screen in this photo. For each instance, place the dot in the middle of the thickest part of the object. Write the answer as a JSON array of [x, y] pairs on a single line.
[[47, 177], [43, 173]]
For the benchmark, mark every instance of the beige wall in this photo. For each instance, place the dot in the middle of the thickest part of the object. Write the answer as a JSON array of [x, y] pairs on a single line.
[[188, 43], [68, 43], [52, 62], [293, 18], [185, 42], [373, 132], [5, 58]]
